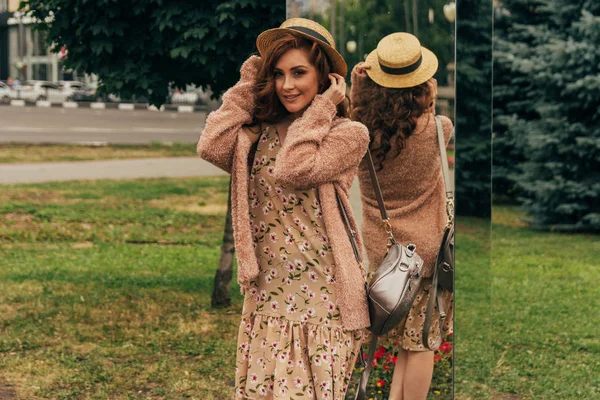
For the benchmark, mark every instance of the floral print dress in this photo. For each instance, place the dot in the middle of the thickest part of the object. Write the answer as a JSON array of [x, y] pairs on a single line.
[[291, 344]]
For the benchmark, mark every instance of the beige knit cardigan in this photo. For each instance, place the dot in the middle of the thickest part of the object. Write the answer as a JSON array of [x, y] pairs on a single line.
[[413, 190], [318, 151]]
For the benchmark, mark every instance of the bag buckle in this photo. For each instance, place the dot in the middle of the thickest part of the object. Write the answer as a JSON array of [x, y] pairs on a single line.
[[450, 210], [388, 229]]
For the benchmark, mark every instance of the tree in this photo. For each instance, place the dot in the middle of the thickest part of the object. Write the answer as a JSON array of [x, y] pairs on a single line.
[[559, 184], [141, 48], [473, 108], [368, 21], [518, 26]]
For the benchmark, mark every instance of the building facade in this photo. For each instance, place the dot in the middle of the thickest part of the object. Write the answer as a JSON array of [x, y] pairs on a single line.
[[24, 54]]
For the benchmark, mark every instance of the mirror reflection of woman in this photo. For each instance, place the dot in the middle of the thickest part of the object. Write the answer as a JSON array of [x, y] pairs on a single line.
[[283, 134], [393, 94]]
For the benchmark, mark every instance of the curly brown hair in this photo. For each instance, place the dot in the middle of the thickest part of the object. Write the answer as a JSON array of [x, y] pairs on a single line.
[[268, 107], [390, 114]]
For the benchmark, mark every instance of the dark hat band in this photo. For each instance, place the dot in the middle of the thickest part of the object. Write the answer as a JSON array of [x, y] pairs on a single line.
[[403, 70], [310, 32]]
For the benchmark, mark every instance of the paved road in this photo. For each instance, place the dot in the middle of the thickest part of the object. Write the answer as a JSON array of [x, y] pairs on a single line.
[[57, 125]]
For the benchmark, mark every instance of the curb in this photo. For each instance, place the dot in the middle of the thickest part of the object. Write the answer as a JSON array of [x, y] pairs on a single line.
[[102, 106]]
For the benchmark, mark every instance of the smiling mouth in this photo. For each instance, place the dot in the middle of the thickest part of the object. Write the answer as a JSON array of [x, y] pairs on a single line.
[[291, 97]]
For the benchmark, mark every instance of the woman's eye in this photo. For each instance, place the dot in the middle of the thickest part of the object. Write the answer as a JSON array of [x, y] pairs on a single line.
[[277, 74], [300, 72]]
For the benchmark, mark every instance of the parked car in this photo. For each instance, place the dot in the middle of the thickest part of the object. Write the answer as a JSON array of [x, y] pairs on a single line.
[[4, 92], [69, 88], [38, 90], [191, 95]]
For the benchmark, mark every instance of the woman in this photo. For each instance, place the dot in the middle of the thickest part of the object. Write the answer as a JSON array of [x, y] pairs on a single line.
[[282, 133], [393, 94]]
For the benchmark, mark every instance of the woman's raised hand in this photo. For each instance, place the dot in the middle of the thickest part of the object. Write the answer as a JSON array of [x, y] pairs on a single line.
[[361, 68], [250, 67], [432, 84], [337, 91]]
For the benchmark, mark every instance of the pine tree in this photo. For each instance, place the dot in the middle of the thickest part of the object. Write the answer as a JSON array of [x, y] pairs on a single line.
[[473, 107], [560, 182], [517, 28]]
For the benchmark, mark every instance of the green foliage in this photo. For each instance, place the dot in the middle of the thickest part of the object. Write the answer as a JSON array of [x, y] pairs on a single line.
[[518, 27], [368, 21], [473, 107], [559, 184], [140, 49]]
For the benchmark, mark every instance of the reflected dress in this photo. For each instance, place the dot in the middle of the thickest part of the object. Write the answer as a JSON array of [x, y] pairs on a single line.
[[291, 344]]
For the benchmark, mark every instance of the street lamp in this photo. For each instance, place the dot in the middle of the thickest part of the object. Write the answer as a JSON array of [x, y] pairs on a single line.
[[450, 12], [351, 46]]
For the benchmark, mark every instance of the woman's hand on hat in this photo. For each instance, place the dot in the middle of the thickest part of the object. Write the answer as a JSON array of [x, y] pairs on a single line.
[[337, 91], [250, 67], [432, 84], [361, 68]]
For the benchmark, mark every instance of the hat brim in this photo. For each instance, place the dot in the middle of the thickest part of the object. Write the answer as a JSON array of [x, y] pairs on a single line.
[[426, 70], [266, 39]]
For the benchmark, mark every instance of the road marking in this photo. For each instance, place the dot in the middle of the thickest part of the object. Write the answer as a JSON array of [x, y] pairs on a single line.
[[96, 129], [17, 103], [70, 104], [143, 129], [21, 129], [43, 103]]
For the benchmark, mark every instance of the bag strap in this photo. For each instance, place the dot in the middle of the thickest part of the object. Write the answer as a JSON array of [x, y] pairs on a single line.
[[434, 294], [449, 188], [364, 378], [351, 232], [384, 215]]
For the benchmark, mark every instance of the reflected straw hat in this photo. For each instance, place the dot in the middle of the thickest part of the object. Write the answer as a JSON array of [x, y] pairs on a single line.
[[308, 29], [401, 62]]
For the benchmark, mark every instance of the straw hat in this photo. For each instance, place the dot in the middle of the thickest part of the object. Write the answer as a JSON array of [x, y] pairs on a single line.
[[401, 62], [307, 29]]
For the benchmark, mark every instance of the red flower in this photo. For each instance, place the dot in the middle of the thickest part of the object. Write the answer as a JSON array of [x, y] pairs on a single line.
[[394, 359], [445, 347], [386, 367], [380, 383], [379, 353], [437, 358]]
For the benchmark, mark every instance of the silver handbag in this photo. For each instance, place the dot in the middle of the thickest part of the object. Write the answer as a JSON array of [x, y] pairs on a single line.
[[393, 287]]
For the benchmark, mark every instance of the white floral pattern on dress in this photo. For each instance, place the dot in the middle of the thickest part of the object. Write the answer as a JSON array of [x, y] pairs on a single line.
[[291, 344]]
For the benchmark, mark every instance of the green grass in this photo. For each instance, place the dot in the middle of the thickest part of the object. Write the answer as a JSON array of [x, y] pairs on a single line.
[[544, 312], [105, 294], [28, 153], [86, 312], [472, 304]]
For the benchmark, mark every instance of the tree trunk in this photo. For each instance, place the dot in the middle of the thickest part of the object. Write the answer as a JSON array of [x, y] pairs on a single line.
[[221, 296]]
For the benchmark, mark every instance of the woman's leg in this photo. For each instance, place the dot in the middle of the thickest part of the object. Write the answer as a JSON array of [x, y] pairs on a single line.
[[397, 385], [412, 375]]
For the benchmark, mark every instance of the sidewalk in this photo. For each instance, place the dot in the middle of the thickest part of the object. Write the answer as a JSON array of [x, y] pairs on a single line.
[[171, 167]]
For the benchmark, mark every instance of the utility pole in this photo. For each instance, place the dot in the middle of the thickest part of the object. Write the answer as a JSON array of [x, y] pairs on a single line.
[[415, 22], [342, 37], [407, 15], [332, 18]]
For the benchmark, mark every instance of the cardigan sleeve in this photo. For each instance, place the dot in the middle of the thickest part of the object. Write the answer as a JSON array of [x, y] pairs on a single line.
[[357, 81], [217, 140], [447, 128], [314, 152]]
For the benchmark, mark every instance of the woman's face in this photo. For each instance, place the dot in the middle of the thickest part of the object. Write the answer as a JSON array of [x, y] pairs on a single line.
[[296, 81]]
